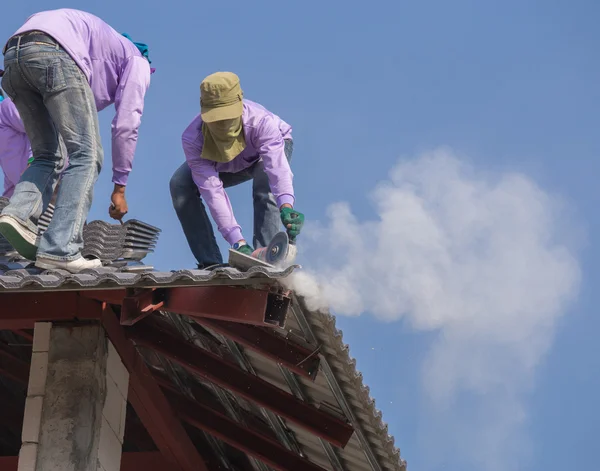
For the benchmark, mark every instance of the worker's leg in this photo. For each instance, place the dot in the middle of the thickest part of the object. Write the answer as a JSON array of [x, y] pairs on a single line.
[[193, 217], [34, 190], [68, 107], [267, 221]]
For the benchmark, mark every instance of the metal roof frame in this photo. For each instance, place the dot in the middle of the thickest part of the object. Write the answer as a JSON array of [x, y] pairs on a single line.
[[246, 312]]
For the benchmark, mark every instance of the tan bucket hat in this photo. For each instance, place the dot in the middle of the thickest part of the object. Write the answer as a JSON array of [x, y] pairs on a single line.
[[221, 97]]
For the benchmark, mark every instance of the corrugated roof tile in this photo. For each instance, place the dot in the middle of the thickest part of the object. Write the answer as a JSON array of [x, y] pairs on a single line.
[[16, 279]]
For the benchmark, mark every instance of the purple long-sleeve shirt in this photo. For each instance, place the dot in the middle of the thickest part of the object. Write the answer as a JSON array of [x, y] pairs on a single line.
[[116, 71], [15, 149], [265, 133]]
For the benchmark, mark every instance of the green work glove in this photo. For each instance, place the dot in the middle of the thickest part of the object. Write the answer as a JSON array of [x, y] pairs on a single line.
[[245, 249], [294, 219]]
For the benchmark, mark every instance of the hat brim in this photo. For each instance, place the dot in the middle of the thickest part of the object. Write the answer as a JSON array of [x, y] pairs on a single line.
[[210, 115]]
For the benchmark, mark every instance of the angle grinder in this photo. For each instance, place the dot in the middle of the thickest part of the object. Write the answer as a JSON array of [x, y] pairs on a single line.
[[280, 252]]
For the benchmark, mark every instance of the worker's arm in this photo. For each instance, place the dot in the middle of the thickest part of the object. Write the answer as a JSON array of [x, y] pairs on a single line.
[[209, 184], [271, 147], [129, 107]]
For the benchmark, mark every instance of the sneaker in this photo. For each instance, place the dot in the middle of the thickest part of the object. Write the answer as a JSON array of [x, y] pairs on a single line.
[[72, 266], [23, 239]]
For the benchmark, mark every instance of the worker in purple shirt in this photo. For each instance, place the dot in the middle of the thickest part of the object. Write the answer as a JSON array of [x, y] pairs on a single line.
[[15, 150], [231, 141], [61, 68]]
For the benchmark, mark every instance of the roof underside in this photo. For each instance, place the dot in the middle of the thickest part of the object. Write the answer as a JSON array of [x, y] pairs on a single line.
[[336, 388]]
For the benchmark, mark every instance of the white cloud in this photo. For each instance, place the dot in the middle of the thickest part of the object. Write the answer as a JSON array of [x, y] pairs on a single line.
[[480, 259]]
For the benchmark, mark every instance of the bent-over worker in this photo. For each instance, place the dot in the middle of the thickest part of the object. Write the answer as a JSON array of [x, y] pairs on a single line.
[[61, 68], [231, 141]]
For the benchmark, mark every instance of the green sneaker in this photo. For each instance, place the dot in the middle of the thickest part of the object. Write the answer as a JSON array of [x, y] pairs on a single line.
[[23, 239]]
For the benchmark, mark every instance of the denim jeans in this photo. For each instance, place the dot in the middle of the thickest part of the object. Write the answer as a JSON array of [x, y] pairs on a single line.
[[194, 218], [54, 98]]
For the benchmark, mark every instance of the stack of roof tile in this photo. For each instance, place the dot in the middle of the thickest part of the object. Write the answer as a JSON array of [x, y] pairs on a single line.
[[132, 240]]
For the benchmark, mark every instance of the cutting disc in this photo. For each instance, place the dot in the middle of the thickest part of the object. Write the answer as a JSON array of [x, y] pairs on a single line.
[[277, 250]]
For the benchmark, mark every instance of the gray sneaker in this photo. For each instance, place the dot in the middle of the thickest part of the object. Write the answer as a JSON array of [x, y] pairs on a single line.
[[23, 239], [72, 266]]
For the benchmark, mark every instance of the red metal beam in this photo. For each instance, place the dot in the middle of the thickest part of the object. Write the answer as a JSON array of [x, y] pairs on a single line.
[[149, 461], [110, 296], [146, 461], [229, 303], [228, 375], [297, 358], [268, 451], [247, 306], [136, 306], [23, 310], [9, 463], [151, 405], [203, 396]]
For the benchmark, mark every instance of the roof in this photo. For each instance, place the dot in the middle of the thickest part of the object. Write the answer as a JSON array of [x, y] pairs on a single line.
[[232, 359], [338, 387]]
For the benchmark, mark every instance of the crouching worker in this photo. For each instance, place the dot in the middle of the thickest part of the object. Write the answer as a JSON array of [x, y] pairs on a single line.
[[231, 141], [61, 68]]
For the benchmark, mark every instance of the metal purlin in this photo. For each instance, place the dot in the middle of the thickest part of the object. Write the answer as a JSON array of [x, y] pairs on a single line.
[[296, 389], [275, 422], [195, 338], [176, 374], [273, 419]]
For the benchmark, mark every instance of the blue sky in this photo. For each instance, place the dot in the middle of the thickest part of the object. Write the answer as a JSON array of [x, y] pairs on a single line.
[[510, 87]]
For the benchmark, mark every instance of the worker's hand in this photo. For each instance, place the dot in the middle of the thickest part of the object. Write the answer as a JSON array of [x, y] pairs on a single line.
[[292, 220], [246, 249], [118, 207]]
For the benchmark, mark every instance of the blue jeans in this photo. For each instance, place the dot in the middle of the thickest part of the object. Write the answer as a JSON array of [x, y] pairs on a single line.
[[54, 98], [194, 218]]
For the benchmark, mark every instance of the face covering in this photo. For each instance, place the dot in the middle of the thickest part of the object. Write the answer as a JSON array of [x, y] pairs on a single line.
[[223, 140]]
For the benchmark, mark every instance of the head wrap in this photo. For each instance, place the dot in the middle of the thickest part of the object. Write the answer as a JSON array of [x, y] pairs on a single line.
[[142, 47]]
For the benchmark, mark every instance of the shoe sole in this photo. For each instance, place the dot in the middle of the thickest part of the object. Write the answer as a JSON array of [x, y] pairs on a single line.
[[45, 266], [18, 242], [51, 266]]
